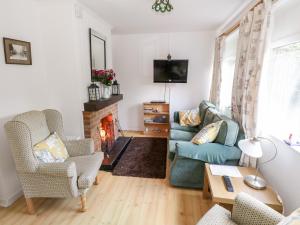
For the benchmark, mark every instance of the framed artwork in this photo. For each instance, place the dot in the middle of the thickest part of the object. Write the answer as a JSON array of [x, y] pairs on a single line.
[[17, 52]]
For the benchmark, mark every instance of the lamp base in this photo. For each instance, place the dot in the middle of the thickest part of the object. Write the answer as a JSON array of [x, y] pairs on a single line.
[[255, 182]]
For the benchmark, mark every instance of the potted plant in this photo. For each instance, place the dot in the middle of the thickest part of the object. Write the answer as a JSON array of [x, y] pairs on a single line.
[[105, 77]]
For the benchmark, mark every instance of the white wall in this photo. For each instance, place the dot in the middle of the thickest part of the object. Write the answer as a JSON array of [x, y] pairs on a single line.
[[133, 61], [283, 173], [22, 88], [58, 77]]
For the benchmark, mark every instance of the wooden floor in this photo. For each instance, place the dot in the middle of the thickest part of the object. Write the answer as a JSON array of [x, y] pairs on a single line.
[[116, 201]]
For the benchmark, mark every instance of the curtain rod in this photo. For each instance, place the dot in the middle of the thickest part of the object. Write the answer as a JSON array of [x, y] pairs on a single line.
[[237, 24]]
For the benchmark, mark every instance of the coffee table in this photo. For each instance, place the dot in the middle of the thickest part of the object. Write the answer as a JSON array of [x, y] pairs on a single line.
[[214, 188]]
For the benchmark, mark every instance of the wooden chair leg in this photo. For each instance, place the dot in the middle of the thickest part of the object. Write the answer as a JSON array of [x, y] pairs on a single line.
[[83, 203], [97, 180], [30, 207]]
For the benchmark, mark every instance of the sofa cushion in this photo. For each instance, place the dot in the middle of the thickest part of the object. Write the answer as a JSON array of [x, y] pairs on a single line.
[[172, 148], [209, 152], [181, 135], [176, 126], [87, 168], [189, 118], [208, 133], [211, 116], [204, 105], [228, 132], [217, 215]]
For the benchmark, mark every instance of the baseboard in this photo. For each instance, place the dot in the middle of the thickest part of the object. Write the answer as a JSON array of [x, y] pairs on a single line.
[[8, 202]]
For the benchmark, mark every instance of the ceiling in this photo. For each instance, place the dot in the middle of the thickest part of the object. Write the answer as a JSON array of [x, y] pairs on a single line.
[[137, 16]]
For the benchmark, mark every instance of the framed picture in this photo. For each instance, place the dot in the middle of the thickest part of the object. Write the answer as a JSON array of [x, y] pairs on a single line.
[[17, 52]]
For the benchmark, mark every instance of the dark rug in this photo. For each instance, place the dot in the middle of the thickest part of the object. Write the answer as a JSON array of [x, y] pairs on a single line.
[[144, 157]]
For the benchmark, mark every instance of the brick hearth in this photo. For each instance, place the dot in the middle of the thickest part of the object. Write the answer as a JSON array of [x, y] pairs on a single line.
[[92, 120]]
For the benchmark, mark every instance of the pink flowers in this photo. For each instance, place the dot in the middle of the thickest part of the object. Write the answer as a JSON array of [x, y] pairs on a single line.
[[104, 76]]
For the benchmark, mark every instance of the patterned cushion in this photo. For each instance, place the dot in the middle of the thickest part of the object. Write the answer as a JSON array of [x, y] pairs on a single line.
[[51, 150], [293, 219], [207, 134], [217, 215], [189, 118]]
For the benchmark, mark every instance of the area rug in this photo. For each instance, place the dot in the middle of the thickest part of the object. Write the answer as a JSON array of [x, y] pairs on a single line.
[[144, 157]]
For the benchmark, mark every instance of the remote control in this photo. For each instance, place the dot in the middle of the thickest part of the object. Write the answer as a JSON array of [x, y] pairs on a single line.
[[228, 183]]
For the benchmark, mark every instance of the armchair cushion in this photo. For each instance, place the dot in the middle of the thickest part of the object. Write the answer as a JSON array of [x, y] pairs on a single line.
[[80, 147], [87, 167], [59, 169], [217, 215], [50, 150], [209, 152], [249, 211]]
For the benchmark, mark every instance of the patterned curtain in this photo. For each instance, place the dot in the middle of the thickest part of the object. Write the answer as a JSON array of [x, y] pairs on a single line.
[[217, 71], [253, 34]]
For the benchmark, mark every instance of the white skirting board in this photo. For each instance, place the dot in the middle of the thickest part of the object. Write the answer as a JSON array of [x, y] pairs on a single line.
[[8, 202]]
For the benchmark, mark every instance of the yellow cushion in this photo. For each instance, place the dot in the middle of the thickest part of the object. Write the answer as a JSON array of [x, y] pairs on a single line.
[[189, 118], [207, 134], [50, 150], [293, 219]]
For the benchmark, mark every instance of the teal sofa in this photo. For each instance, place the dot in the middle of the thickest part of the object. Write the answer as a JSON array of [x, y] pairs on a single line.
[[188, 159]]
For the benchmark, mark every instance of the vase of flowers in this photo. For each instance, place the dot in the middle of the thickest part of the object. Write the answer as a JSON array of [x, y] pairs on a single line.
[[105, 77]]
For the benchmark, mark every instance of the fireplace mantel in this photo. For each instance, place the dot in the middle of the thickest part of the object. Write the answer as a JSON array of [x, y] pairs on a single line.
[[98, 105]]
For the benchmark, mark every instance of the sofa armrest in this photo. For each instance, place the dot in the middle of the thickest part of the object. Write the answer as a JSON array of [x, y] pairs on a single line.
[[209, 152], [176, 116], [80, 147], [62, 169], [249, 211]]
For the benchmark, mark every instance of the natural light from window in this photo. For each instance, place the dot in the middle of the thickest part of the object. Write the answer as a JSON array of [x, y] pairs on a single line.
[[228, 65], [279, 108]]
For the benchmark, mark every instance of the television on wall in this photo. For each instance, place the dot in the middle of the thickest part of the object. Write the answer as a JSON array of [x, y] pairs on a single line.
[[170, 71]]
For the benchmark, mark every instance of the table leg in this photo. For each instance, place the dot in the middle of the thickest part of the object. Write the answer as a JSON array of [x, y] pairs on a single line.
[[206, 193]]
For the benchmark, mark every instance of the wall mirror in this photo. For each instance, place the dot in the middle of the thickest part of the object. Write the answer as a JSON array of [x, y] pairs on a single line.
[[97, 51]]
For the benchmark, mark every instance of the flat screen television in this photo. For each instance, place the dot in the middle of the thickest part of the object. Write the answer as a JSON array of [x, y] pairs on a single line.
[[170, 71]]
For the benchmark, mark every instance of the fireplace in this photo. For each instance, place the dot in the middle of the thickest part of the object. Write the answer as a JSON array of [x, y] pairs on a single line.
[[100, 123], [107, 133]]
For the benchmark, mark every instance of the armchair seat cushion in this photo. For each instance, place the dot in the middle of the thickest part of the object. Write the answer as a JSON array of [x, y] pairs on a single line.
[[217, 215], [87, 168]]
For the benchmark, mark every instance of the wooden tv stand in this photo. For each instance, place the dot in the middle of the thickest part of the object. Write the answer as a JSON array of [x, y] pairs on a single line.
[[156, 119]]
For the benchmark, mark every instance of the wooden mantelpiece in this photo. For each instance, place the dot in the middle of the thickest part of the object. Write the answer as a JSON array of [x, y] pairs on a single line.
[[98, 105]]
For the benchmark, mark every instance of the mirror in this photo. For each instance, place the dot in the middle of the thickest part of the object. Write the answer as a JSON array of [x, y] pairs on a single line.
[[97, 52]]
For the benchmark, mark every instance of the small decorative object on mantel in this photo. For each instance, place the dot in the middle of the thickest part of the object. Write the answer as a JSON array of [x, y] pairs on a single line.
[[17, 52], [105, 77], [94, 92], [162, 6], [115, 88]]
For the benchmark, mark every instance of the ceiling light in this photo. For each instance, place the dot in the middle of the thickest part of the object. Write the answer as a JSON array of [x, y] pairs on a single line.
[[162, 6]]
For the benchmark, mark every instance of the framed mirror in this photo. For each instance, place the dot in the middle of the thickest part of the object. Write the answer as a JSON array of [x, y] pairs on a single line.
[[97, 52]]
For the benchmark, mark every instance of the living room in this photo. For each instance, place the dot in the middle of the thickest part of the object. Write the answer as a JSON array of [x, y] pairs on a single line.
[[143, 131]]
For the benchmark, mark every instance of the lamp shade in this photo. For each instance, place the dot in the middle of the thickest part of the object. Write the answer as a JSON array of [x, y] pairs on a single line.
[[251, 147]]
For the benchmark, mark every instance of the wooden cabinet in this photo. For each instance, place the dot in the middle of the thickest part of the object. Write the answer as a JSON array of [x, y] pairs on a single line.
[[156, 119]]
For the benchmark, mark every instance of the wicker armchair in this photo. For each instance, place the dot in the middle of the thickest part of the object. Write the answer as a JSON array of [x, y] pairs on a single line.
[[71, 178], [246, 211]]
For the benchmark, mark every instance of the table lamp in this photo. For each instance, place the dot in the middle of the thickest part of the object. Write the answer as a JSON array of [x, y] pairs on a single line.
[[252, 148]]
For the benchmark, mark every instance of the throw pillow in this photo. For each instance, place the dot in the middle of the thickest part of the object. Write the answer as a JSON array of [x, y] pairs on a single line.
[[207, 134], [293, 219], [189, 118], [50, 150]]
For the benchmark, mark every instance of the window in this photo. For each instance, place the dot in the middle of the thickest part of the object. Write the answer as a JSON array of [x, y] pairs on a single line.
[[228, 65], [279, 107]]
